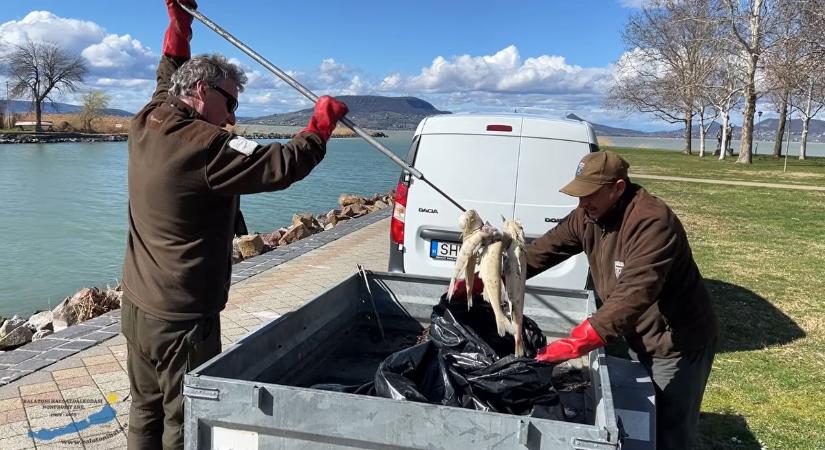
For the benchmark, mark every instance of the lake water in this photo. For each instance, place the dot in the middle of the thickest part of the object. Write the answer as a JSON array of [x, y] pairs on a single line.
[[63, 211], [63, 208], [763, 147]]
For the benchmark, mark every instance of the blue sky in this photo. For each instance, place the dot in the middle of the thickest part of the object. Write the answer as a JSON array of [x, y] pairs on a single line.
[[554, 56]]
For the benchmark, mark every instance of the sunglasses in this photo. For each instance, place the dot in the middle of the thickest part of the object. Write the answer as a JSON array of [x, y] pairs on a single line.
[[231, 102]]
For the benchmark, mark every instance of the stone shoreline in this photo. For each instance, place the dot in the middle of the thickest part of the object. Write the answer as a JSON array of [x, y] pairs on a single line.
[[57, 137], [90, 303]]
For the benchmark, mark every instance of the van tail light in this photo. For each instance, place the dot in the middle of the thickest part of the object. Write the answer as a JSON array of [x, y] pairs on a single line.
[[399, 214], [506, 128]]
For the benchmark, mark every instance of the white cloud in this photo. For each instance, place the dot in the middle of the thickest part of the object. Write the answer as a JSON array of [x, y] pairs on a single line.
[[118, 64], [503, 72], [72, 34], [120, 55], [355, 87]]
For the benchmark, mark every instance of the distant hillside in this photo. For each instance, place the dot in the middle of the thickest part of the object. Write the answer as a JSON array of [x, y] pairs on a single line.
[[604, 130], [23, 107], [765, 130], [367, 111]]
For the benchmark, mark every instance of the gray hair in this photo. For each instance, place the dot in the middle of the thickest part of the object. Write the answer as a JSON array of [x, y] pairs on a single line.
[[212, 69]]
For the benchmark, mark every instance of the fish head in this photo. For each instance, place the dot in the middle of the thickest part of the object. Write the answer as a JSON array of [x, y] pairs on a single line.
[[470, 221]]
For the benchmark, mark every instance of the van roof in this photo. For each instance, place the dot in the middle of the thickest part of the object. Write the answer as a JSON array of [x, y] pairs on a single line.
[[520, 124]]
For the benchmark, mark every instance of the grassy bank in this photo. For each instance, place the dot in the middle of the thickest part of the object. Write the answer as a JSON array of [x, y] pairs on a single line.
[[762, 252], [765, 168]]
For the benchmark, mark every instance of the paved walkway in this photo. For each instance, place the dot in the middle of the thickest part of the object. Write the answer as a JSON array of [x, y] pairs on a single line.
[[82, 400], [804, 187]]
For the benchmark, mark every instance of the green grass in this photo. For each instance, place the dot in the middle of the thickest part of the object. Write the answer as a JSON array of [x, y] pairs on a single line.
[[765, 169], [762, 253]]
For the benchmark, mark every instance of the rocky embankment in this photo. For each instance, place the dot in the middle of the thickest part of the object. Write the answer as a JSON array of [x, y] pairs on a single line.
[[92, 302], [44, 138], [307, 224]]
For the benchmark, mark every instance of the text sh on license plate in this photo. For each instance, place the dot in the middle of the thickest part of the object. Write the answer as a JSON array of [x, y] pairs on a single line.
[[444, 250]]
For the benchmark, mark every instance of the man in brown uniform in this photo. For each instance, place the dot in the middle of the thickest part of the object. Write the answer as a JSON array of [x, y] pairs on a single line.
[[186, 173], [651, 290]]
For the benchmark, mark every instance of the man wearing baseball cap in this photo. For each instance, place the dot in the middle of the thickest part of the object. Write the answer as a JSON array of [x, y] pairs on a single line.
[[651, 290]]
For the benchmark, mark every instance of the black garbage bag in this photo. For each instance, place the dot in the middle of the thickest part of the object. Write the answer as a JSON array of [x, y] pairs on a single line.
[[465, 363]]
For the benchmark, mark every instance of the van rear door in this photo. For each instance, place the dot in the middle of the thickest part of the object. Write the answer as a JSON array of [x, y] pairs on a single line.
[[539, 205], [475, 167]]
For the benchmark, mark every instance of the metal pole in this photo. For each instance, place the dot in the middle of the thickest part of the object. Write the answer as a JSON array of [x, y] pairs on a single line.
[[310, 95]]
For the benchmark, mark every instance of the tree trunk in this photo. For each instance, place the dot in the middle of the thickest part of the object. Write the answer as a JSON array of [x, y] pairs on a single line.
[[803, 144], [745, 156], [688, 132], [37, 117], [723, 148], [702, 135], [780, 129]]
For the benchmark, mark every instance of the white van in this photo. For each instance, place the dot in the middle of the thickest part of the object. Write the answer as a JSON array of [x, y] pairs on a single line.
[[509, 165]]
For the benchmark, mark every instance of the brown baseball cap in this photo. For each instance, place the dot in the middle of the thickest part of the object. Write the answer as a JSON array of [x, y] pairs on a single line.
[[594, 171]]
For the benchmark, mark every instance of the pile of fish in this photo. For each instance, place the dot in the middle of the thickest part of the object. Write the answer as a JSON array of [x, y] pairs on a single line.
[[499, 255]]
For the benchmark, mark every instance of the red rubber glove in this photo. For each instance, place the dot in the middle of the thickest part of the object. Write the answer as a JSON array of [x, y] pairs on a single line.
[[179, 32], [460, 288], [582, 339], [328, 112]]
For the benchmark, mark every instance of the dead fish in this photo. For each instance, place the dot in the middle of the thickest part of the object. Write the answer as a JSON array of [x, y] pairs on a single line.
[[515, 278], [472, 238], [490, 273]]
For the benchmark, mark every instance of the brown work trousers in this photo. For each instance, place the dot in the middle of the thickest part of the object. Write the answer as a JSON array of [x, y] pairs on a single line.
[[160, 353]]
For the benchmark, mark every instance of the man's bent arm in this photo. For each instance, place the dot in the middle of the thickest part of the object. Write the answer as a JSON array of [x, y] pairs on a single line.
[[556, 245]]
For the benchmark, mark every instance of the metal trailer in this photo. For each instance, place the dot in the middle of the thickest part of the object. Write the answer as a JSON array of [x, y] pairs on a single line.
[[251, 395]]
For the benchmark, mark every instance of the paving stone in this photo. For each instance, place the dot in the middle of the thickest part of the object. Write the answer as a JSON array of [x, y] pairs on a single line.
[[57, 354], [38, 388], [16, 356], [79, 344], [42, 344], [70, 373], [69, 383], [18, 442], [100, 336], [33, 364], [75, 331], [100, 321], [113, 328]]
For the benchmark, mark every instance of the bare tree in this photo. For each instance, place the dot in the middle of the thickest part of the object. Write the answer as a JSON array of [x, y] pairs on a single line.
[[809, 95], [812, 14], [724, 86], [780, 64], [37, 69], [750, 23], [670, 53], [809, 102], [93, 105]]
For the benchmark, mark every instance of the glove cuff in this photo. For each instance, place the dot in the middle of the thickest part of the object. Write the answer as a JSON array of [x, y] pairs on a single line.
[[176, 40]]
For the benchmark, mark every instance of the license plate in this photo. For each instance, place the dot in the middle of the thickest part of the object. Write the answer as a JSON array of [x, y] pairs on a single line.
[[444, 250]]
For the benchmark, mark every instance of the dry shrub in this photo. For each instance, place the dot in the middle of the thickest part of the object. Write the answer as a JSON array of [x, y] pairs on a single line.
[[97, 303], [73, 122]]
